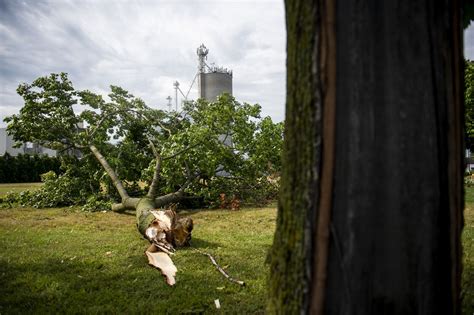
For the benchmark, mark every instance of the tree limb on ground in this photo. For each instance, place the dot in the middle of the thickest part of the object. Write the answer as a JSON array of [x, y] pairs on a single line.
[[219, 268]]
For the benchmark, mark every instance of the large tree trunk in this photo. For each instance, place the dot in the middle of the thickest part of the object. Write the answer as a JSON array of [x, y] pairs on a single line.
[[144, 205], [370, 211]]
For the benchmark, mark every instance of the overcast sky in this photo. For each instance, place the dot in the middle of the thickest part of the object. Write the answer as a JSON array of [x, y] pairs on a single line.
[[143, 46]]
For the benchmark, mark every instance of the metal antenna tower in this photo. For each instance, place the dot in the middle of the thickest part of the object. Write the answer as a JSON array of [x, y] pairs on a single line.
[[202, 55]]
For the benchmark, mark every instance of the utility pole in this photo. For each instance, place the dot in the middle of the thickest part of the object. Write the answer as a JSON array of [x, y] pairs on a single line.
[[176, 87], [169, 102]]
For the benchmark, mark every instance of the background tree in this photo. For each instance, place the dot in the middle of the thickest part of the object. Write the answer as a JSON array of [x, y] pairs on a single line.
[[173, 152], [26, 168], [370, 211], [469, 103]]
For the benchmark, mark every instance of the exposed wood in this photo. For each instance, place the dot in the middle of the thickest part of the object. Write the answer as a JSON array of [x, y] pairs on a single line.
[[164, 263], [162, 232], [182, 232]]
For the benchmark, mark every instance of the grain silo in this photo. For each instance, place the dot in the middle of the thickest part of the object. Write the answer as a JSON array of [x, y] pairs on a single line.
[[212, 81]]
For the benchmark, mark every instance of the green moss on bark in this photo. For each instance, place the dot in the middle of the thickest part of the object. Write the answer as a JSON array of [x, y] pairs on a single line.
[[143, 214], [291, 254]]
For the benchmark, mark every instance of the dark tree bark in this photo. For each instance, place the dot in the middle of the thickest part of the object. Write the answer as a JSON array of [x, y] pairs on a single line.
[[370, 212]]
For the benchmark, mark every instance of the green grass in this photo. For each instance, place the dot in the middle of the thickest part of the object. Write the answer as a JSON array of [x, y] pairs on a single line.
[[468, 253], [55, 260], [18, 187], [60, 260]]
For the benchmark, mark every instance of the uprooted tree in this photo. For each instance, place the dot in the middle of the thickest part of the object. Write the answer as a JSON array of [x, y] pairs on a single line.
[[207, 148]]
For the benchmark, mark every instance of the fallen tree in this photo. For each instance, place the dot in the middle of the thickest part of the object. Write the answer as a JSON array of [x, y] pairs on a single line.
[[197, 151]]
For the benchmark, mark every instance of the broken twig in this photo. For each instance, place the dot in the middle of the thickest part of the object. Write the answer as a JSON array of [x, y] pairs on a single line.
[[164, 247], [219, 268]]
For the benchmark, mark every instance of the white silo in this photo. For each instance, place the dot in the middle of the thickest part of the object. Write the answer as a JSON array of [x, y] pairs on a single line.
[[212, 81]]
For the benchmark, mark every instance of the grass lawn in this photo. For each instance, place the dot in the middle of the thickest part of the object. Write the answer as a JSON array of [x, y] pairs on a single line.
[[18, 187], [63, 261], [56, 260], [468, 249]]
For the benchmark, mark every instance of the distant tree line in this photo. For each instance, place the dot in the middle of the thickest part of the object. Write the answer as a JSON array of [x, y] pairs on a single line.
[[469, 104], [26, 168]]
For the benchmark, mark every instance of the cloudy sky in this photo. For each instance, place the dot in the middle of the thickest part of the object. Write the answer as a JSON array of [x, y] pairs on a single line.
[[143, 46]]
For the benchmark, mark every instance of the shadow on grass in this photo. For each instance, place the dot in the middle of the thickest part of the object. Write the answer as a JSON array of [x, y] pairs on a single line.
[[468, 289], [202, 244], [58, 286], [128, 212], [122, 285]]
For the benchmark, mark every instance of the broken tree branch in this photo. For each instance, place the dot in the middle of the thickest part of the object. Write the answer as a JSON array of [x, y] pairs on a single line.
[[169, 198], [116, 181], [156, 174], [173, 197], [219, 268], [127, 204]]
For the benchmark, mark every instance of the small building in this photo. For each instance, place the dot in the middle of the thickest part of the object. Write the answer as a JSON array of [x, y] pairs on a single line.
[[469, 160], [7, 146]]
